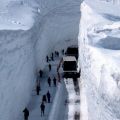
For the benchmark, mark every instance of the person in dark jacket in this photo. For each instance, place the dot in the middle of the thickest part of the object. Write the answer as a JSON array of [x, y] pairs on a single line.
[[26, 114], [37, 89], [54, 81], [42, 107], [41, 73], [49, 81], [48, 96], [49, 67], [57, 54], [52, 57], [63, 52], [44, 100], [47, 59]]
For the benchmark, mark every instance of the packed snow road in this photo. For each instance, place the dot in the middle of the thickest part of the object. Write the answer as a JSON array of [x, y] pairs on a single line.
[[65, 97], [34, 105]]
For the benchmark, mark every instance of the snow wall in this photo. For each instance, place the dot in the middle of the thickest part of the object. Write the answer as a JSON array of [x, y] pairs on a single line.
[[99, 60], [23, 52]]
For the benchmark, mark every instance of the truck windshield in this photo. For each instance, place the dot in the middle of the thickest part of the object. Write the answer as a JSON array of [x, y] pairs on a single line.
[[69, 66]]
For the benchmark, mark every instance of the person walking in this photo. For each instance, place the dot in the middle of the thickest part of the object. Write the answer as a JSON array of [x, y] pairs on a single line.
[[44, 100], [49, 81], [52, 57], [26, 114], [49, 67], [42, 107], [41, 73], [37, 89], [47, 59], [48, 96], [77, 116], [63, 52], [57, 54], [54, 81]]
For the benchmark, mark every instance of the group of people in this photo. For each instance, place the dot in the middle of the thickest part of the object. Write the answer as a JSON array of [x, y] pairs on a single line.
[[54, 81], [52, 56], [46, 98], [38, 82]]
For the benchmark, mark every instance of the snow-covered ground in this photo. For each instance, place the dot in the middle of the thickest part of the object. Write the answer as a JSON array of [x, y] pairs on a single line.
[[65, 97], [99, 41], [15, 14], [58, 96]]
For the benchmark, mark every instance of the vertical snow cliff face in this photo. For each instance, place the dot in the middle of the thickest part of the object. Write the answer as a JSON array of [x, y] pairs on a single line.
[[17, 71], [23, 52], [99, 60]]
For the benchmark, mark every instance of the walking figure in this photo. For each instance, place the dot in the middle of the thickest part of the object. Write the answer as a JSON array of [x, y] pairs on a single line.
[[48, 96], [49, 67], [63, 52], [26, 114], [57, 54], [42, 106], [41, 73], [76, 116], [37, 89], [52, 57], [54, 81], [49, 81], [44, 100], [47, 58]]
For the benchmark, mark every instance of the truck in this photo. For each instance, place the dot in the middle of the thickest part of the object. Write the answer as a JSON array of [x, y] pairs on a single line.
[[69, 64], [72, 51]]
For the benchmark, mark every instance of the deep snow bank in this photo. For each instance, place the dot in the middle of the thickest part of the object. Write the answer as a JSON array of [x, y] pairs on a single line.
[[16, 68], [99, 61], [23, 52]]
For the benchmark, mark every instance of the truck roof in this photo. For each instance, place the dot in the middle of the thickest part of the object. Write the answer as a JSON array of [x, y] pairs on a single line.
[[69, 58]]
